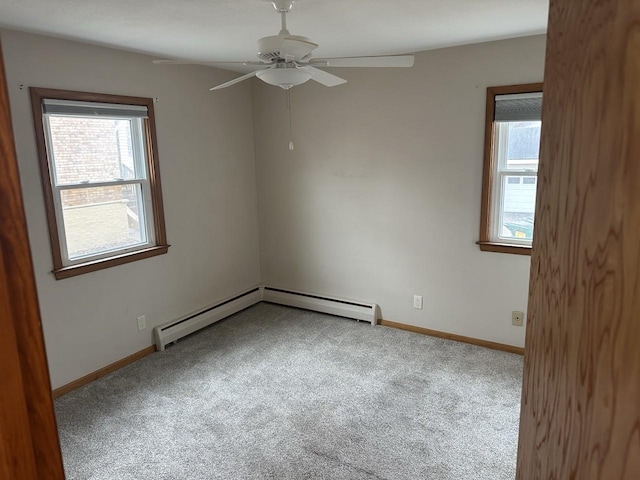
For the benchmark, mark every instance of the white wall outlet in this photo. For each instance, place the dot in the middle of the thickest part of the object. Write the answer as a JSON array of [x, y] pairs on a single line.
[[517, 318], [142, 322], [417, 302]]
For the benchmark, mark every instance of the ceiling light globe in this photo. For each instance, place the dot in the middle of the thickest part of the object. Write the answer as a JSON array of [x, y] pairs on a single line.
[[283, 77]]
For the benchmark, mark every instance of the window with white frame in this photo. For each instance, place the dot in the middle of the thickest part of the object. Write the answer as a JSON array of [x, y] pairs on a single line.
[[101, 179], [511, 168]]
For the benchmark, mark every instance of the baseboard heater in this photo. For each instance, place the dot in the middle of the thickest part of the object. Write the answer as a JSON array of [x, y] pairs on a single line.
[[176, 329], [318, 303]]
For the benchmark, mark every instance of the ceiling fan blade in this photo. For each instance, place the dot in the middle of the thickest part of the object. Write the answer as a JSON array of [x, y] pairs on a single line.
[[320, 76], [235, 80], [379, 61], [207, 64]]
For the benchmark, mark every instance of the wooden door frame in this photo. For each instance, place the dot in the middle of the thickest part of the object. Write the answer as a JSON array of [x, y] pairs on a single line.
[[29, 445], [580, 415]]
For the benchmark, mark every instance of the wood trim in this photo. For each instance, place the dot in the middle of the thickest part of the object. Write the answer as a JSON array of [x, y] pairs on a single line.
[[59, 269], [29, 445], [153, 166], [81, 268], [89, 97], [14, 418], [504, 248], [45, 177], [58, 392], [580, 414], [489, 167], [512, 89], [452, 336]]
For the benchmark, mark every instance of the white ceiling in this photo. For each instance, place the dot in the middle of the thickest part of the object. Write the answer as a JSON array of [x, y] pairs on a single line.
[[226, 30]]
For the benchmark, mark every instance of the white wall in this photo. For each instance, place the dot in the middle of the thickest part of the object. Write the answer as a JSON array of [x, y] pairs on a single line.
[[206, 154], [380, 199]]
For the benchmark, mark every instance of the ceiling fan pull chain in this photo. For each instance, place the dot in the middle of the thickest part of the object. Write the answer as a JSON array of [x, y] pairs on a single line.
[[288, 96]]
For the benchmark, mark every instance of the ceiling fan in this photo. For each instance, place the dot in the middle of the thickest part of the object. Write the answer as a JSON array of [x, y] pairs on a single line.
[[285, 59]]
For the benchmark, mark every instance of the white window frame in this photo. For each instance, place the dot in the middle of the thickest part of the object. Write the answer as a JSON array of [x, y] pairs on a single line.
[[501, 138], [142, 179]]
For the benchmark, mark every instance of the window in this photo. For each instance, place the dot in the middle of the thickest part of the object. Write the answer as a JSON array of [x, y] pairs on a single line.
[[512, 149], [100, 178]]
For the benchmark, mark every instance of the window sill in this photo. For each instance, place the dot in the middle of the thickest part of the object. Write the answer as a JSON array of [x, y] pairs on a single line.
[[505, 248], [82, 268]]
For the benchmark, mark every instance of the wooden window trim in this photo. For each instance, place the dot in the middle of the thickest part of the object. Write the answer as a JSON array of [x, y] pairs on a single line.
[[161, 246], [504, 248], [485, 243]]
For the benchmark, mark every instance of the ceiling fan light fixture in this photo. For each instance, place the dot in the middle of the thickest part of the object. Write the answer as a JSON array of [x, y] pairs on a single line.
[[283, 77]]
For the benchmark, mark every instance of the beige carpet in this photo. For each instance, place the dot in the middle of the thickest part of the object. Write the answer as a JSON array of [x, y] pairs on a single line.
[[275, 392]]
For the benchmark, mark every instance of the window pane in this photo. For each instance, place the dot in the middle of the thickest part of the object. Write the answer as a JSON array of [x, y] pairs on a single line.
[[92, 149], [523, 145], [101, 219], [518, 207]]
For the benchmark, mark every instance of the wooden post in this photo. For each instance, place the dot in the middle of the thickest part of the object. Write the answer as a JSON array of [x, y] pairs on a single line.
[[29, 447], [580, 415]]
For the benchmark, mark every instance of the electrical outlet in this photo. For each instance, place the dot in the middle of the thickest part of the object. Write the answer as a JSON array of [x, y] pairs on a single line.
[[517, 318], [142, 322], [417, 302]]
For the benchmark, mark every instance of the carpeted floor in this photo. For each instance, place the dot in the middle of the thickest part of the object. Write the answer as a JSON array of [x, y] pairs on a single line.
[[280, 393]]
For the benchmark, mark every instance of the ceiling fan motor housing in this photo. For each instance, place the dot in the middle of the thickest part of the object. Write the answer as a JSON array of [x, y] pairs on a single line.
[[286, 47]]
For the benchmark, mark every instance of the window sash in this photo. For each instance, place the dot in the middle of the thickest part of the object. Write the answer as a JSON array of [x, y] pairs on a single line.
[[147, 226], [498, 205], [139, 149], [76, 186], [501, 139], [145, 200]]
